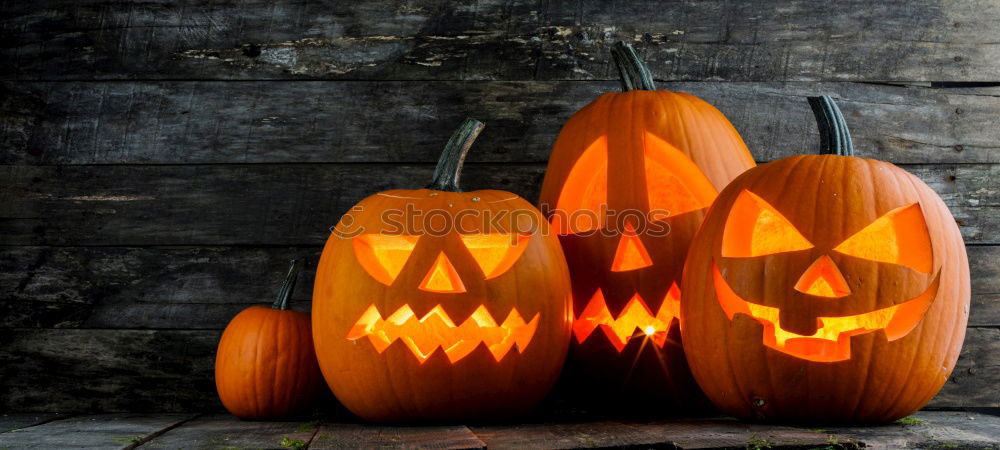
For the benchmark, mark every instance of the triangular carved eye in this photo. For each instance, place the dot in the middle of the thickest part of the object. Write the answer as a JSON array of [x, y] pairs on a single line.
[[675, 185], [383, 256], [495, 252], [755, 228], [582, 202], [898, 237]]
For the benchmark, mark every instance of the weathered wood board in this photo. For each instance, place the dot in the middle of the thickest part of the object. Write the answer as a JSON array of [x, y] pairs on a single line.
[[108, 370], [297, 122], [297, 204], [927, 429], [93, 431], [225, 431], [355, 435], [422, 40], [15, 421]]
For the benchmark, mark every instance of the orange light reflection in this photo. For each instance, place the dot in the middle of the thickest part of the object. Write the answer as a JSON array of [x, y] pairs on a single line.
[[436, 329]]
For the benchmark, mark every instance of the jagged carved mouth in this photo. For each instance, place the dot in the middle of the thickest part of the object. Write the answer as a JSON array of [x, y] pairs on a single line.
[[832, 340], [424, 335], [634, 320]]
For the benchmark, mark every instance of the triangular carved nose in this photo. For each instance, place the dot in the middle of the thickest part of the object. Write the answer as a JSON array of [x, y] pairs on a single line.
[[823, 279], [631, 254], [442, 277]]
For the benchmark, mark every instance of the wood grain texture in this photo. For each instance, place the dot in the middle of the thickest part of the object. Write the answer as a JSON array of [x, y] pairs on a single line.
[[122, 431], [204, 287], [923, 40], [16, 421], [143, 288], [220, 431], [332, 122], [171, 370], [354, 435], [108, 370], [297, 204]]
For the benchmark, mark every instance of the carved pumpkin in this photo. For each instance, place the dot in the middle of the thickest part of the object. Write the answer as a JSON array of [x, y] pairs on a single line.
[[825, 288], [628, 182], [434, 304], [265, 367]]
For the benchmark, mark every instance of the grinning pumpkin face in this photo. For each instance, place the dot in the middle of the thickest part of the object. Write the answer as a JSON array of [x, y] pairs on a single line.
[[834, 289], [423, 269], [436, 304], [825, 288], [628, 182]]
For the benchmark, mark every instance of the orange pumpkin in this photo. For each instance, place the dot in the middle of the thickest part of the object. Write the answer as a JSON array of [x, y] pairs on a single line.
[[437, 304], [825, 288], [265, 367], [628, 182]]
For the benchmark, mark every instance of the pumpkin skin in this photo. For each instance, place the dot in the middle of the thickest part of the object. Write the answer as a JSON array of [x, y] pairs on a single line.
[[386, 369], [847, 302], [265, 367], [642, 151]]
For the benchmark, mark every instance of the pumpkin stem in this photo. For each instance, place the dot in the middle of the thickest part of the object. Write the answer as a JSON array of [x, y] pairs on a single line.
[[834, 137], [285, 292], [449, 166], [634, 73]]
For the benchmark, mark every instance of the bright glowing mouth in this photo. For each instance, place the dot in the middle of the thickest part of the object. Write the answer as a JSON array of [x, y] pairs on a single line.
[[635, 316], [436, 329], [832, 340]]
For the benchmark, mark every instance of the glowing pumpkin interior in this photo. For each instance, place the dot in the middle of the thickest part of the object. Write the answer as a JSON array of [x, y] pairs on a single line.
[[635, 320], [674, 185], [424, 335], [385, 256], [754, 228]]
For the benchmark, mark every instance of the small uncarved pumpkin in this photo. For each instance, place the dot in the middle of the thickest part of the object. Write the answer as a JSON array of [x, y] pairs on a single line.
[[266, 367], [825, 288], [437, 304]]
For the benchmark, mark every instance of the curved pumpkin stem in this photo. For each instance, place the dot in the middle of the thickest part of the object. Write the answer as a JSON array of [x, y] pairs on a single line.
[[449, 166], [634, 73], [834, 137], [285, 292]]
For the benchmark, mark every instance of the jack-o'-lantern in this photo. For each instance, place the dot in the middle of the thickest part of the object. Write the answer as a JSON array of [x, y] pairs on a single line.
[[825, 288], [437, 304], [628, 182]]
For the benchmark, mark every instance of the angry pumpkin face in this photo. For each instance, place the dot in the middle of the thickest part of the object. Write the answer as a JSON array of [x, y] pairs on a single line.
[[432, 278]]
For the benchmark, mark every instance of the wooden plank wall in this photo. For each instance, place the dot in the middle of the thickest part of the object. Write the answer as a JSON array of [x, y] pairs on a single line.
[[160, 161]]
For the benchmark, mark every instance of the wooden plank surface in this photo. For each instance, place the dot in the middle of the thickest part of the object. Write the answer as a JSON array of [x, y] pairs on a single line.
[[297, 122], [356, 435], [717, 40], [14, 421], [204, 287], [297, 204], [172, 370], [219, 431], [925, 429], [92, 431]]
